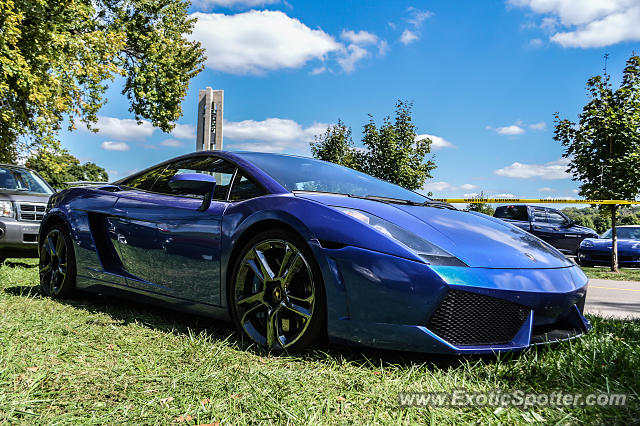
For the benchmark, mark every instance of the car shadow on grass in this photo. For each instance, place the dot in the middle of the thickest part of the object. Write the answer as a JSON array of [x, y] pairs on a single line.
[[166, 320]]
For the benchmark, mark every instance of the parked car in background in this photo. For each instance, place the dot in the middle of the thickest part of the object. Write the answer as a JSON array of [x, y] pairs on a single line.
[[548, 224], [23, 201], [598, 252]]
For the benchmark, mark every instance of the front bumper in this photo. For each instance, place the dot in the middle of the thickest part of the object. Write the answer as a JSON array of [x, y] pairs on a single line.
[[390, 302], [18, 238], [602, 257]]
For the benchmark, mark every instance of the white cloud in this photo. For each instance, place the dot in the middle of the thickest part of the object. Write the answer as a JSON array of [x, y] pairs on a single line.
[[501, 196], [259, 41], [352, 55], [418, 16], [115, 146], [408, 37], [468, 186], [510, 130], [587, 23], [173, 143], [360, 37], [446, 186], [210, 4], [536, 43], [437, 186], [471, 195], [437, 142], [538, 126], [548, 171], [184, 131], [318, 70], [575, 191], [123, 129], [546, 189], [272, 134], [383, 47]]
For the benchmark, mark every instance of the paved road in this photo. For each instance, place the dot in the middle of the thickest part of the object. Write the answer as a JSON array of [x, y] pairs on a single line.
[[619, 299]]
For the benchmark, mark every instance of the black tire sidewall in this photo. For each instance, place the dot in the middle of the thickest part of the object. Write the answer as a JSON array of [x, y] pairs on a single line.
[[69, 283], [316, 330]]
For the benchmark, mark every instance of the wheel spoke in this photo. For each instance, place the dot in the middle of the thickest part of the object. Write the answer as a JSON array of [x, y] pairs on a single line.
[[45, 269], [52, 283], [297, 309], [263, 264], [249, 312], [272, 328], [288, 252], [50, 246], [296, 299], [59, 245], [258, 297], [291, 271]]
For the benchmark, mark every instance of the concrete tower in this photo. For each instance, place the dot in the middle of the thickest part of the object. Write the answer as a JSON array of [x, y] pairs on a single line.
[[210, 106]]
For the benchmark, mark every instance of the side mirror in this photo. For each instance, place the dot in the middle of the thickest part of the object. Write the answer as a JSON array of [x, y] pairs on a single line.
[[195, 183], [570, 222]]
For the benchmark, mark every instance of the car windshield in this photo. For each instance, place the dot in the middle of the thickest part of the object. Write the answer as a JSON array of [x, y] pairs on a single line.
[[16, 179], [307, 174], [630, 233]]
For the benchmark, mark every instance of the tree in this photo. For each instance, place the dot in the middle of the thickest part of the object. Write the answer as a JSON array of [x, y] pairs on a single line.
[[481, 207], [391, 152], [336, 146], [62, 167], [56, 59], [604, 146]]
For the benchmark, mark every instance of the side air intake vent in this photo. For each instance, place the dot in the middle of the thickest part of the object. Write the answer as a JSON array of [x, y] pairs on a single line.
[[468, 319]]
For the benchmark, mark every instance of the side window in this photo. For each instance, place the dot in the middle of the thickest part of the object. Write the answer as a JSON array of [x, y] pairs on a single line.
[[146, 180], [217, 167], [539, 215], [244, 188], [555, 218]]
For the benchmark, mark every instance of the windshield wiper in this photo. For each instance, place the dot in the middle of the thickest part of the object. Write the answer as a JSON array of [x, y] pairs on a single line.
[[381, 199], [427, 203]]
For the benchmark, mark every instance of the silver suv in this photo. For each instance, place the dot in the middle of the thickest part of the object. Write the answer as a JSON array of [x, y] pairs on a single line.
[[23, 202]]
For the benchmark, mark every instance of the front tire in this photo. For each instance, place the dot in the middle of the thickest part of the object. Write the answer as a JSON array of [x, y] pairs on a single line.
[[57, 263], [276, 295]]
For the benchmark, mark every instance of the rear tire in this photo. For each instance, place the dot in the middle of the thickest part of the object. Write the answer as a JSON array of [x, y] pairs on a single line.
[[57, 263], [276, 292]]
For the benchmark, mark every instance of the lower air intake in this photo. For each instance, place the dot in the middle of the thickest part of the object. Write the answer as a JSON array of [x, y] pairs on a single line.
[[467, 319]]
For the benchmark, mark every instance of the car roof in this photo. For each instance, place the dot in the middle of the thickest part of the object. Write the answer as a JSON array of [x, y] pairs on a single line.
[[14, 166]]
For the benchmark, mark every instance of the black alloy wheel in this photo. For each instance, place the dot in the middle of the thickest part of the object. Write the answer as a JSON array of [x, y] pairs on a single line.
[[57, 263], [276, 293]]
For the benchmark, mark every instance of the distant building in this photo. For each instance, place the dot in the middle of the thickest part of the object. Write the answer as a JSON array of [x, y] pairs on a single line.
[[210, 106]]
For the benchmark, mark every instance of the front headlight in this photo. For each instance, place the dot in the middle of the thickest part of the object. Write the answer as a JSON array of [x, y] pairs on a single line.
[[586, 243], [6, 209], [433, 254]]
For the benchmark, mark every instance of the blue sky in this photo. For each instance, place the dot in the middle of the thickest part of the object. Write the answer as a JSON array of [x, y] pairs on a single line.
[[485, 78]]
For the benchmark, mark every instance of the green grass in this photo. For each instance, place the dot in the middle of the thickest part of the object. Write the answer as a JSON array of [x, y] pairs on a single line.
[[98, 360], [625, 274]]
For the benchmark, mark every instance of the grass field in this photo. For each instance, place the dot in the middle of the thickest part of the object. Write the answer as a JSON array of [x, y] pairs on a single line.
[[97, 360], [625, 274]]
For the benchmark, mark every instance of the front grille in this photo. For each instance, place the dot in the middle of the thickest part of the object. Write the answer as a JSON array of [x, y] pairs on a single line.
[[31, 211], [473, 319]]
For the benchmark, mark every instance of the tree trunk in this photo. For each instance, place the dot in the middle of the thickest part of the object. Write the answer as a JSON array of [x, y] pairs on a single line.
[[614, 240]]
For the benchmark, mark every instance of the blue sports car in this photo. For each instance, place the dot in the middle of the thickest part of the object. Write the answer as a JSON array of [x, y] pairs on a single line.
[[598, 251], [294, 250]]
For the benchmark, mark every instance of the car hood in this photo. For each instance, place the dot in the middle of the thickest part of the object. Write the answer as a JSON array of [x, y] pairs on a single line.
[[575, 229], [476, 239], [24, 196], [605, 243]]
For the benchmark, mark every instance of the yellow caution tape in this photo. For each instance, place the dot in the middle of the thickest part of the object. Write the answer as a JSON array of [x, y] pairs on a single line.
[[532, 200]]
